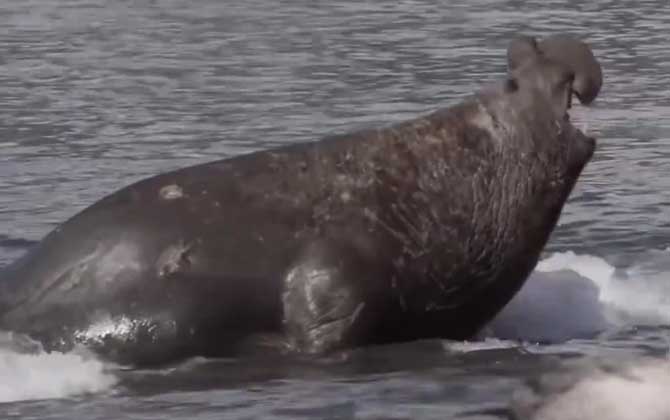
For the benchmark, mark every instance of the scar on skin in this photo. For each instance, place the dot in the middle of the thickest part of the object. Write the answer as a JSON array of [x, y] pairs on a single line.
[[171, 192], [174, 258]]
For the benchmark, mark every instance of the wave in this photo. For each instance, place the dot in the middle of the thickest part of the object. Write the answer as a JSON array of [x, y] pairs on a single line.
[[7, 241], [594, 391], [29, 373], [567, 297], [571, 296]]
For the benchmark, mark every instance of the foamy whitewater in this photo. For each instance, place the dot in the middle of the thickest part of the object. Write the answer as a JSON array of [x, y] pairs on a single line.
[[567, 298], [571, 296], [28, 373]]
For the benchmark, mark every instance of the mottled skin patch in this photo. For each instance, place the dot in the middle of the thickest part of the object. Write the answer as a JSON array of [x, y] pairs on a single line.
[[422, 229], [174, 259], [171, 192]]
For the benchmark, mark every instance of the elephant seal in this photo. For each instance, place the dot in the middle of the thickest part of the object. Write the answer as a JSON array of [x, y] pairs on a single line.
[[567, 50], [425, 228]]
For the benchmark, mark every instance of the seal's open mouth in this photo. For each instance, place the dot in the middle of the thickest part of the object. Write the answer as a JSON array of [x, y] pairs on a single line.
[[580, 145], [583, 125], [583, 130]]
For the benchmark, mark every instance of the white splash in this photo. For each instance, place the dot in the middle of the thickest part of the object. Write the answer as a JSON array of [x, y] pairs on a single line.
[[637, 391], [577, 296], [486, 344], [570, 295], [171, 192], [29, 374], [106, 326]]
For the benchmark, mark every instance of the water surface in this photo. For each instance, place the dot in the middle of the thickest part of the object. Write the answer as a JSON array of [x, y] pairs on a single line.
[[96, 95]]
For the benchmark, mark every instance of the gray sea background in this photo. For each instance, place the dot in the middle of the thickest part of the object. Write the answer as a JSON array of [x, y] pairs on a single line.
[[95, 95]]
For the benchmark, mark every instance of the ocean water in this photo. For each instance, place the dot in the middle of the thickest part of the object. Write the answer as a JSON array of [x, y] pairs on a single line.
[[95, 95]]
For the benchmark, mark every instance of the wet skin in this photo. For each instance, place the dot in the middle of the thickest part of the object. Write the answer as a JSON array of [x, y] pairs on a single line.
[[426, 228]]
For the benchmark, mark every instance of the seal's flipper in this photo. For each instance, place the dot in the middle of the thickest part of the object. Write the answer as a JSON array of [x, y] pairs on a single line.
[[324, 301]]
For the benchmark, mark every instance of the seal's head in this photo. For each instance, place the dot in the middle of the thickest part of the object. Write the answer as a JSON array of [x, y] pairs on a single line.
[[565, 50], [553, 81], [521, 49], [539, 95]]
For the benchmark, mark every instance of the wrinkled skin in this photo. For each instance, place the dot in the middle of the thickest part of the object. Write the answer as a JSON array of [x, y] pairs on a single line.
[[423, 229]]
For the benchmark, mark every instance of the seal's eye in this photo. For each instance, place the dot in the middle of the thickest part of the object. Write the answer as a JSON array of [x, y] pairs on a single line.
[[511, 85]]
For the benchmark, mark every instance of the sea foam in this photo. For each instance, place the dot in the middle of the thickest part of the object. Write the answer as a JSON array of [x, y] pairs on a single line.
[[29, 373]]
